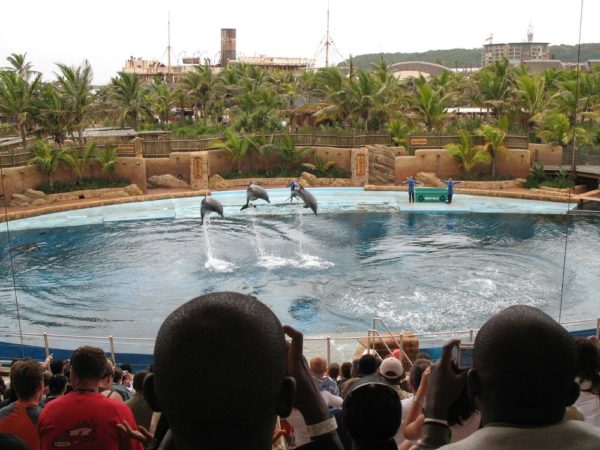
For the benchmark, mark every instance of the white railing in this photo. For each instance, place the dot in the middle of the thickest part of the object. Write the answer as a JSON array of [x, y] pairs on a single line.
[[336, 348]]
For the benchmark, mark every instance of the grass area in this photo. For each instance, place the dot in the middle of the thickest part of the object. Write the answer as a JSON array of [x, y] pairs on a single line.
[[85, 183]]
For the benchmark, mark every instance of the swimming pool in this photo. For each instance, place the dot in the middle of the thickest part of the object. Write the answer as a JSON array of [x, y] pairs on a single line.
[[120, 270]]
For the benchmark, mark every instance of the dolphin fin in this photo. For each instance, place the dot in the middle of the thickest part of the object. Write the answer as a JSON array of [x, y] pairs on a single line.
[[245, 206]]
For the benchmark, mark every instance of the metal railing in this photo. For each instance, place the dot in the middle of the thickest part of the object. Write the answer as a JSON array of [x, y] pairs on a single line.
[[336, 348]]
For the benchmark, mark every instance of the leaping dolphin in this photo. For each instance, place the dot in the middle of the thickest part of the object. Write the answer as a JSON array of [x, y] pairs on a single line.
[[309, 200], [255, 192], [208, 205]]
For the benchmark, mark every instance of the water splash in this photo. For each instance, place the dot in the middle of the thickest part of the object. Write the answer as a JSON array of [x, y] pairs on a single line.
[[306, 260], [212, 263]]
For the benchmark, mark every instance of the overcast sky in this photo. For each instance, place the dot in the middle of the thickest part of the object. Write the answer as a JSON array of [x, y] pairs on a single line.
[[108, 32]]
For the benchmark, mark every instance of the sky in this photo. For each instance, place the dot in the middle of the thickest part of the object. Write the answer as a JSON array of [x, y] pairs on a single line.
[[107, 33]]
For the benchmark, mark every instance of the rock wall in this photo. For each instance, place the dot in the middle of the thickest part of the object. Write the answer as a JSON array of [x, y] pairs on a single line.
[[31, 197], [381, 164]]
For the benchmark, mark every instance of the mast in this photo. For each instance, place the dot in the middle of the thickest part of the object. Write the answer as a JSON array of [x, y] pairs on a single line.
[[169, 47], [327, 43]]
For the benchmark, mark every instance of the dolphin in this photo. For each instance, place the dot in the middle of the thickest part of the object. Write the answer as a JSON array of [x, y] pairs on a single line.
[[254, 192], [208, 205], [309, 200]]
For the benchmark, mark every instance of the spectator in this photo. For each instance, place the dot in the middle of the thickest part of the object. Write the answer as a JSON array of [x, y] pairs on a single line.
[[391, 370], [588, 378], [518, 412], [198, 352], [20, 417], [371, 415], [106, 384], [345, 374], [334, 371], [318, 368], [85, 418], [365, 371], [56, 366], [117, 384], [138, 404], [57, 387]]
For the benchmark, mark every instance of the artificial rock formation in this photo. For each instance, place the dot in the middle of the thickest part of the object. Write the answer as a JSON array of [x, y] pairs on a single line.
[[166, 181], [382, 161]]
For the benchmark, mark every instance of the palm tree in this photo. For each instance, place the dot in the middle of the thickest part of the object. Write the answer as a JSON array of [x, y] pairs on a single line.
[[466, 154], [493, 138], [19, 65], [237, 146], [162, 99], [493, 83], [198, 86], [429, 104], [46, 158], [320, 166], [399, 131], [333, 88], [79, 164], [291, 156], [107, 158], [556, 130], [75, 85], [18, 100], [54, 113], [128, 97], [530, 96]]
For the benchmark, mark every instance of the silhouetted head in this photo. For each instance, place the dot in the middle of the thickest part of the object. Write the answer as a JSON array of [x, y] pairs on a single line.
[[346, 370], [416, 372], [57, 385], [117, 375], [56, 366], [523, 368], [27, 379], [372, 413], [367, 365], [220, 361], [333, 371], [138, 380]]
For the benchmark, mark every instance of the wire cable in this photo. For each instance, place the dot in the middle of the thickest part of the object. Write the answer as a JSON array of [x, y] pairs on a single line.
[[569, 219]]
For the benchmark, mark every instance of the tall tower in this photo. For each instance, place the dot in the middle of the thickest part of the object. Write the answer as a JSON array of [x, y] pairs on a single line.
[[530, 33], [227, 46]]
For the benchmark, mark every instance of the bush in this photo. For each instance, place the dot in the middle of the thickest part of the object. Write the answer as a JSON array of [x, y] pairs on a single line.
[[85, 183]]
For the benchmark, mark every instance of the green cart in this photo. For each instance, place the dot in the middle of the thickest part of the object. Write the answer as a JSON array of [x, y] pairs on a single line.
[[431, 194]]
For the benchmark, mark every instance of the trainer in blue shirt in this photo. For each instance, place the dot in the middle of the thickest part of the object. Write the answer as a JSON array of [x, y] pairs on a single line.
[[411, 188], [451, 185]]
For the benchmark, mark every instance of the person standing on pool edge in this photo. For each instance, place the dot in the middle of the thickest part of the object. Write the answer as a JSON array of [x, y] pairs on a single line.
[[411, 188], [450, 185]]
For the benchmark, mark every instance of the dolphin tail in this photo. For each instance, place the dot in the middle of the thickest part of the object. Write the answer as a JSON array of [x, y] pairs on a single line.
[[314, 209], [245, 206]]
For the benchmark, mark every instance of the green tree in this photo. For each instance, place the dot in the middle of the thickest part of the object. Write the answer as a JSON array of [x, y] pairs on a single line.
[[18, 101], [493, 138], [77, 163], [74, 85], [429, 104], [399, 131], [127, 95], [530, 96], [162, 99], [107, 158], [467, 155], [46, 158], [237, 146], [556, 130], [290, 156], [20, 65], [53, 113]]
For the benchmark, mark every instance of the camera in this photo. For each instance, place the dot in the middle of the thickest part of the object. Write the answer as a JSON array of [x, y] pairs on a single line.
[[463, 356]]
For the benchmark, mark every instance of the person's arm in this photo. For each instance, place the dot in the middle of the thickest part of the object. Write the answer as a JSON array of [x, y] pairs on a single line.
[[444, 387], [309, 401], [412, 425]]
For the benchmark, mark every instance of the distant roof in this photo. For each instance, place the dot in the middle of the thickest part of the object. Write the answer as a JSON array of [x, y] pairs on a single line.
[[539, 65], [105, 132], [12, 140]]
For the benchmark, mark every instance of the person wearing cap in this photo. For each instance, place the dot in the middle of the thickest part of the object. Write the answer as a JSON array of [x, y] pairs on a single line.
[[392, 371]]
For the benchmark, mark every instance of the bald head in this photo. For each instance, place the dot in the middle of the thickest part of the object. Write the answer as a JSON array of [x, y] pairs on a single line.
[[523, 367]]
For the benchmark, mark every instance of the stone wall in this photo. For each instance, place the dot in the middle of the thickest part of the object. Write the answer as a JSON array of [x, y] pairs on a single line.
[[360, 166], [439, 161]]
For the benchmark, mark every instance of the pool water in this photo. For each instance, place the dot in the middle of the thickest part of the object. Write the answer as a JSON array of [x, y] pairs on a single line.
[[423, 268]]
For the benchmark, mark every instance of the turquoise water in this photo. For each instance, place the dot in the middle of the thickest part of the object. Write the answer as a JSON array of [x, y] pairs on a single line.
[[120, 270]]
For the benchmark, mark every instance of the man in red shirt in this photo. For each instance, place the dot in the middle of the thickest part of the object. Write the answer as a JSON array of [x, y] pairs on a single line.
[[19, 418], [85, 419]]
